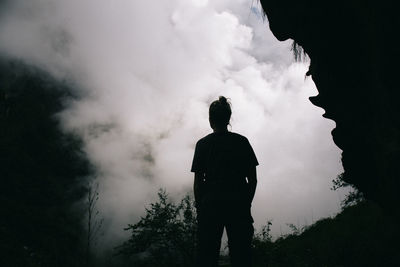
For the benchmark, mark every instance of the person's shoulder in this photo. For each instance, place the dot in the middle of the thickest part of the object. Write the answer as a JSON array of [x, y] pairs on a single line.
[[204, 140], [238, 137]]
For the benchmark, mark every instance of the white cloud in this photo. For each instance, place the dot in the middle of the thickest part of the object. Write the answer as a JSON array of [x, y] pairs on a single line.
[[149, 69]]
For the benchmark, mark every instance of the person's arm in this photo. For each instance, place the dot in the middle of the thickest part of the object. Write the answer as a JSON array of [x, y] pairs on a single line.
[[198, 187], [252, 182]]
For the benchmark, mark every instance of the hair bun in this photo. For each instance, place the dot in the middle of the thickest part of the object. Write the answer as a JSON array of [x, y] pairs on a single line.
[[223, 100]]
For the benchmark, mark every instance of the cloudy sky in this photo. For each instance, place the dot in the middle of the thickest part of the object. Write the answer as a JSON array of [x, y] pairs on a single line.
[[148, 70]]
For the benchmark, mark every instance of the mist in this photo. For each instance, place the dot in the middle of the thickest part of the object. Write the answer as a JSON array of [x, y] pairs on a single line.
[[146, 73]]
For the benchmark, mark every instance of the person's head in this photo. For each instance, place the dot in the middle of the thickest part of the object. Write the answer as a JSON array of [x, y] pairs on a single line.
[[220, 114]]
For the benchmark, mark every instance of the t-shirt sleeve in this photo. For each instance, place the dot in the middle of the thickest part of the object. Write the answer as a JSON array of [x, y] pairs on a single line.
[[198, 159], [251, 156]]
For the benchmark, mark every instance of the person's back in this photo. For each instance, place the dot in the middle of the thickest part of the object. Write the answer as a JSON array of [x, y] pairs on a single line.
[[227, 157], [225, 180]]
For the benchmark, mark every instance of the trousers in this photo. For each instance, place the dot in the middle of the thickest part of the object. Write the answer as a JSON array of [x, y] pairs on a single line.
[[238, 222]]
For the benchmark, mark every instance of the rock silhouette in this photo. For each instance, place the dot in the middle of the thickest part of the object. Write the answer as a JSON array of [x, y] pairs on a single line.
[[354, 66]]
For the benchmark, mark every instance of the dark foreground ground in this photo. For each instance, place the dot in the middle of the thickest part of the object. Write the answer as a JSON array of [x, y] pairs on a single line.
[[361, 235]]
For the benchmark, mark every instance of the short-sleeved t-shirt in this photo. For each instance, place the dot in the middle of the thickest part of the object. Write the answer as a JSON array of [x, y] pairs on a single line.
[[224, 156]]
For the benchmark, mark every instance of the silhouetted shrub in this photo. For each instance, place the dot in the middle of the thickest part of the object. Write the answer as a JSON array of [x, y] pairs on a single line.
[[165, 236]]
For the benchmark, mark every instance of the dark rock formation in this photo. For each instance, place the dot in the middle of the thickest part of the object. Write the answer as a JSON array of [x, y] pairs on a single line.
[[354, 64]]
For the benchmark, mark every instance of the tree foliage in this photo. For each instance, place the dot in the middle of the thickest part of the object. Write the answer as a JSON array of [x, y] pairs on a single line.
[[165, 236], [262, 245], [41, 171], [353, 197]]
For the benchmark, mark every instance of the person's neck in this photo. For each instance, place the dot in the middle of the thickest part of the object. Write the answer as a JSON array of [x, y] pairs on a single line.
[[220, 130]]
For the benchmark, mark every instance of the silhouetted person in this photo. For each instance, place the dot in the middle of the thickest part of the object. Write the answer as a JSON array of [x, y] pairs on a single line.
[[225, 181]]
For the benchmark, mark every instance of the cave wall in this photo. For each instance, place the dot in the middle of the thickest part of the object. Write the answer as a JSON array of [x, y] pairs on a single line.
[[354, 63]]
